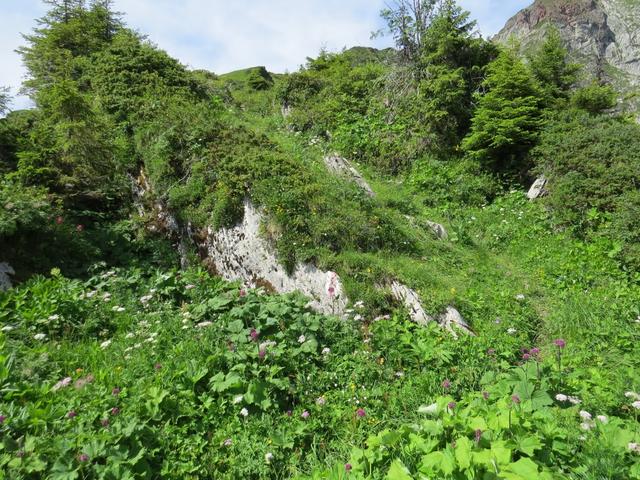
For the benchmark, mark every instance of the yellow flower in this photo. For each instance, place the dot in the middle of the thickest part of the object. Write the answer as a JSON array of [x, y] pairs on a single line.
[[381, 360]]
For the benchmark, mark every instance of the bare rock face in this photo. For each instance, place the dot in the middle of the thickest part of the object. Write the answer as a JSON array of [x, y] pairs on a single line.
[[341, 166], [241, 253], [538, 190], [411, 301], [5, 280], [438, 230], [604, 35], [453, 322]]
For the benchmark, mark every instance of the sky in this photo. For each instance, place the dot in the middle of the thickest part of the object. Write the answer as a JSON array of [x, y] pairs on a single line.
[[226, 35]]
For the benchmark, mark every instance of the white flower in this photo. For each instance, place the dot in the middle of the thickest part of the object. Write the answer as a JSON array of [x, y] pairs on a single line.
[[429, 409], [130, 335], [144, 300], [106, 295], [632, 395], [634, 447], [359, 304], [204, 324], [7, 328], [586, 425], [520, 297], [53, 318], [92, 293], [190, 287], [268, 457], [511, 331], [238, 399], [128, 349], [185, 327], [561, 397], [326, 351], [137, 345], [40, 336], [603, 419], [302, 339], [244, 412], [584, 415], [399, 374], [575, 400], [357, 318], [65, 382], [636, 404], [105, 344], [321, 401]]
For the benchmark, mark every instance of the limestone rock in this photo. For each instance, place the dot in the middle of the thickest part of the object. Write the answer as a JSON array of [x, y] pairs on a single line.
[[241, 253], [341, 166], [439, 231], [452, 321], [5, 280], [537, 190], [411, 300]]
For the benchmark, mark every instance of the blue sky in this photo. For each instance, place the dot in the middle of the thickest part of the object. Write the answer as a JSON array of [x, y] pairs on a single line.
[[224, 35]]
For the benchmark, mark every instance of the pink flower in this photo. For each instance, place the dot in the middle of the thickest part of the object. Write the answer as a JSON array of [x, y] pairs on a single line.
[[485, 395], [262, 353], [254, 335], [347, 467], [105, 422], [515, 399], [560, 343], [72, 414], [535, 351], [158, 366], [305, 414], [321, 401], [2, 419], [115, 411], [227, 442], [491, 352], [83, 457], [478, 435], [446, 384], [361, 413], [79, 228], [451, 405], [243, 292], [331, 291], [59, 220], [289, 413], [526, 357], [115, 392]]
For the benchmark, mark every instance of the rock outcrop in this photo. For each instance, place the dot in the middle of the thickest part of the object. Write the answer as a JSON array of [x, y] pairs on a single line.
[[603, 35], [341, 166], [438, 230], [5, 279], [538, 190], [411, 301]]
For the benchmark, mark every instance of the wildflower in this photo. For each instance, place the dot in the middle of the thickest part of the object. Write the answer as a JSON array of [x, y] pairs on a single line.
[[83, 457], [347, 467], [451, 405], [535, 351], [105, 344], [560, 343], [520, 297], [204, 324], [561, 397], [302, 339], [254, 334], [2, 419], [326, 351], [158, 366], [634, 447], [305, 415], [446, 384], [7, 328], [130, 335], [321, 401], [119, 309], [20, 453], [53, 318], [526, 357], [603, 419], [227, 442], [361, 413], [399, 374], [242, 292], [491, 352], [104, 422], [289, 413], [359, 304], [632, 395], [358, 318], [190, 287], [331, 291], [65, 382], [515, 399], [574, 400], [92, 293], [584, 415], [478, 435], [244, 412], [636, 404], [115, 411], [586, 425], [40, 336], [144, 300], [429, 409], [59, 220], [268, 457], [485, 395], [511, 331], [72, 414]]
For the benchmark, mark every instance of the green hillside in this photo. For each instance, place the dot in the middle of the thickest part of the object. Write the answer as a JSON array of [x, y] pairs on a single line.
[[125, 355]]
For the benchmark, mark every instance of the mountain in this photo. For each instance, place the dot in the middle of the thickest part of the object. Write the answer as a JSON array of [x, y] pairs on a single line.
[[603, 35]]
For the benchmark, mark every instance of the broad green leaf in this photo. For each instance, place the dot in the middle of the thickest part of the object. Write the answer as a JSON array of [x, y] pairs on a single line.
[[398, 471], [463, 452], [523, 469]]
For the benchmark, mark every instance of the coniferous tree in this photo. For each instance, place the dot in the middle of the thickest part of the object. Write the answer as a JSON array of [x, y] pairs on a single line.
[[508, 118]]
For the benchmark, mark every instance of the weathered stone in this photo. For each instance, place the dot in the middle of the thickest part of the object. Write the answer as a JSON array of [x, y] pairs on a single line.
[[341, 166], [411, 301], [453, 321], [241, 253], [439, 231], [5, 280], [537, 190]]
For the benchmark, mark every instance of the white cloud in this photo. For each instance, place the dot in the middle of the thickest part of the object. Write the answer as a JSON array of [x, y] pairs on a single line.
[[224, 35]]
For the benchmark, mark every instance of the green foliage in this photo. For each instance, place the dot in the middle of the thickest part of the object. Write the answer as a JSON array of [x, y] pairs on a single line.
[[594, 98], [508, 118], [592, 166]]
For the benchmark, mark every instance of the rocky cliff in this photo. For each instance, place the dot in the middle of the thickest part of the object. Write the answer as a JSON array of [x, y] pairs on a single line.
[[603, 35]]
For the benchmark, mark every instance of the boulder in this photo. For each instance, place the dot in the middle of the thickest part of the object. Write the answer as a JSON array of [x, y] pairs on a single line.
[[453, 321], [537, 190], [341, 166], [411, 301], [438, 230], [5, 280]]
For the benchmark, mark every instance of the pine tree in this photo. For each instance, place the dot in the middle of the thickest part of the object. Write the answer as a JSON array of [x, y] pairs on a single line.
[[508, 118]]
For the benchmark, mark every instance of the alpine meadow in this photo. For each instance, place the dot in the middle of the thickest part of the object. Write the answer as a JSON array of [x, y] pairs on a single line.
[[419, 262]]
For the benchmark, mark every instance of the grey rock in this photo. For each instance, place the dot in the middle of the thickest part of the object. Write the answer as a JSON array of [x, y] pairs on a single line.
[[439, 231], [341, 166], [5, 279], [538, 190], [453, 322], [411, 301]]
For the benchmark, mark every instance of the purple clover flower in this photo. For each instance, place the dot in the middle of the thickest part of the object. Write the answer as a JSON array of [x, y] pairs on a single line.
[[347, 467], [446, 384], [560, 343], [451, 406], [83, 457], [361, 413], [72, 414], [515, 399], [305, 415], [115, 411]]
